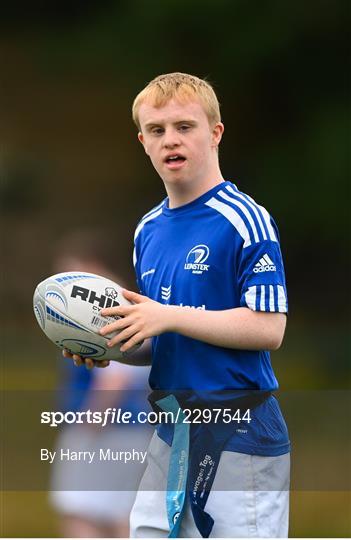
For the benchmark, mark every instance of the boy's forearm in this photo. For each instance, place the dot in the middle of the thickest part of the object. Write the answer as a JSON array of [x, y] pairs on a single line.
[[239, 328]]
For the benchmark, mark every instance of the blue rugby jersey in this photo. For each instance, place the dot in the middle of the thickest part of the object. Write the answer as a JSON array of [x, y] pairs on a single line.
[[218, 252]]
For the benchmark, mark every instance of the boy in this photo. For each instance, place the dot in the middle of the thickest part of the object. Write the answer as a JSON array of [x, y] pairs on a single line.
[[210, 271]]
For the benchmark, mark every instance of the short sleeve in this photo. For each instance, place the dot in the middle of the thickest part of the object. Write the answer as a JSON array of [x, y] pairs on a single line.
[[261, 276]]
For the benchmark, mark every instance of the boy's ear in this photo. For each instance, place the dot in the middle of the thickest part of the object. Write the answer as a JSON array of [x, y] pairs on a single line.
[[217, 133], [141, 139]]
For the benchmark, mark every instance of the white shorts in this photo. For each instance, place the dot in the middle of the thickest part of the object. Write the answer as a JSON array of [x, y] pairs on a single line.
[[258, 508], [103, 491]]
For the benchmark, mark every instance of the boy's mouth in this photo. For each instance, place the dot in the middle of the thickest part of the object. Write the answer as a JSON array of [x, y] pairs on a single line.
[[175, 160]]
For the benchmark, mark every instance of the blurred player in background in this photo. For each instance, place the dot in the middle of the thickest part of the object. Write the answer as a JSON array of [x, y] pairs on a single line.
[[213, 298], [94, 500]]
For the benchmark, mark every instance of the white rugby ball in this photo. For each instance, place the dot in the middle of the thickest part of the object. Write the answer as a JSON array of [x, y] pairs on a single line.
[[67, 307]]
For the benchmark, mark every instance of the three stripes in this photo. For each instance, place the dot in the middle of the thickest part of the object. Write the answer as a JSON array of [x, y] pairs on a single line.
[[252, 221]]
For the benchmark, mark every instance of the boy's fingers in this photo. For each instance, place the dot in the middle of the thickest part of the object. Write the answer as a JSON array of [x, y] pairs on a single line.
[[78, 360], [88, 362], [102, 363]]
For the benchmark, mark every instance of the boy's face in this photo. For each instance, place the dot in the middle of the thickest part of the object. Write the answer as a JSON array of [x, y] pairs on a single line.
[[179, 141]]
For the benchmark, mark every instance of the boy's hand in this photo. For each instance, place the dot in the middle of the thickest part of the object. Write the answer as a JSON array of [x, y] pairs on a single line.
[[88, 362], [145, 318]]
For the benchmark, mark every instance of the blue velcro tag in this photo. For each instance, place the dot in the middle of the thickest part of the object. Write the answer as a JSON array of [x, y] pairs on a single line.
[[178, 465]]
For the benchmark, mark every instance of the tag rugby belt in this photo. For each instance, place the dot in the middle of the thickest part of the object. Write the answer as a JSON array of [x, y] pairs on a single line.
[[196, 449]]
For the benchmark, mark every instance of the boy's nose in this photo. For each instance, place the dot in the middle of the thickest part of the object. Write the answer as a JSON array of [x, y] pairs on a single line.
[[171, 138]]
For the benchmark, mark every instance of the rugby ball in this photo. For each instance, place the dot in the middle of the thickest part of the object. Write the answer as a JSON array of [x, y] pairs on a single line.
[[67, 307]]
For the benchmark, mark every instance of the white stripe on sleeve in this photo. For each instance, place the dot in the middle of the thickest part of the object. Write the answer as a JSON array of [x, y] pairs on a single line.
[[250, 297], [263, 298], [244, 211], [232, 216], [282, 304], [153, 210], [271, 298], [145, 220], [252, 205], [267, 219]]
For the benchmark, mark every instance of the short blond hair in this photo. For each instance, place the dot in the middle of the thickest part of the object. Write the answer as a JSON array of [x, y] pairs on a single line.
[[180, 86]]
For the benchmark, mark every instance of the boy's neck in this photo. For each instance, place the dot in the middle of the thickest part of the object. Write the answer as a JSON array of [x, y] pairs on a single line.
[[186, 193]]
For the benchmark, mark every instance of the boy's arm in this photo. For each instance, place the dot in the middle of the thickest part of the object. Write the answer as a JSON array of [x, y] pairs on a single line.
[[237, 328]]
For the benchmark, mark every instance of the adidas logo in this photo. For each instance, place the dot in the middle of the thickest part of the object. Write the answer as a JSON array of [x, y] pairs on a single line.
[[265, 264], [166, 293]]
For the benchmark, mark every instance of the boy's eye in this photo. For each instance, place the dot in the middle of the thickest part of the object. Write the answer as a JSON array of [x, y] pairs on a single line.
[[157, 131], [184, 127]]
